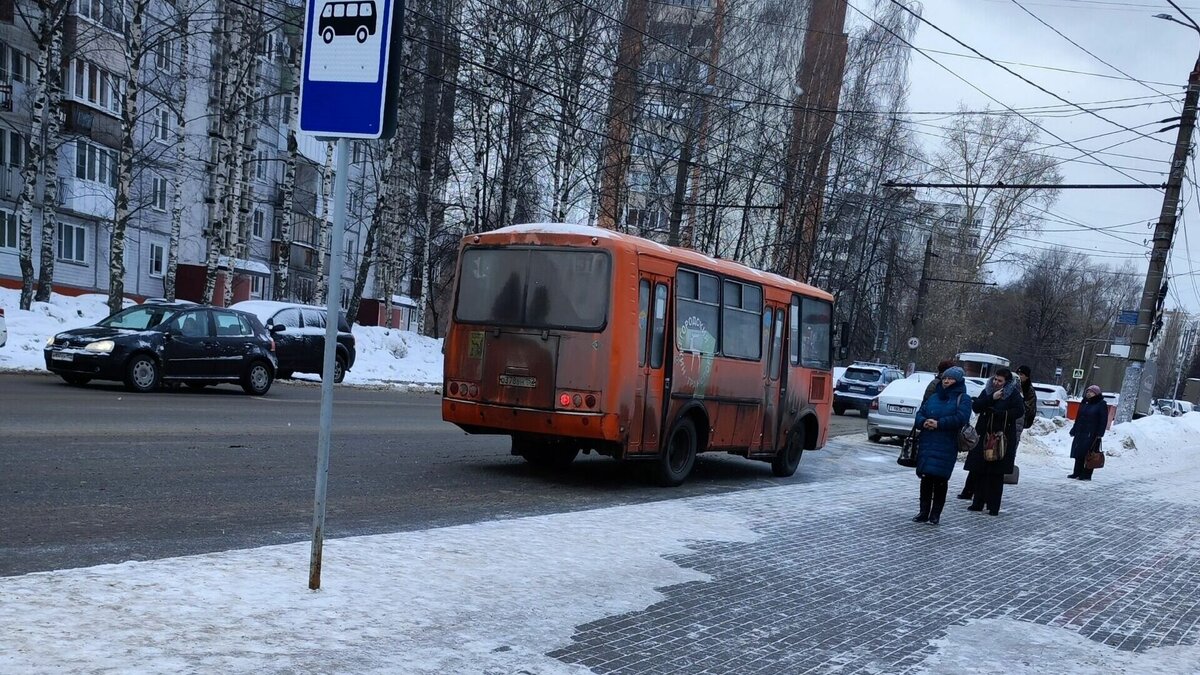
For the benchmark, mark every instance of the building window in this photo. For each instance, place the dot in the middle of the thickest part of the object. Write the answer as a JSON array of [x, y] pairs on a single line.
[[92, 84], [256, 286], [72, 242], [162, 125], [8, 229], [102, 12], [95, 163], [15, 66], [159, 193], [12, 148], [162, 54], [260, 167], [358, 152], [158, 260], [259, 224]]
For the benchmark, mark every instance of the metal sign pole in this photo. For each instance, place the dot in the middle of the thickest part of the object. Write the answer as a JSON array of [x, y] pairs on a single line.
[[333, 309]]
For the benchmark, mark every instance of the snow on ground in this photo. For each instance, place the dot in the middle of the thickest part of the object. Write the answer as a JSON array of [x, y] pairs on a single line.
[[386, 357], [387, 605]]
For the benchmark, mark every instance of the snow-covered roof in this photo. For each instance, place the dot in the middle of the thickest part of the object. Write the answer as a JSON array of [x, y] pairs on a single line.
[[252, 266], [404, 301]]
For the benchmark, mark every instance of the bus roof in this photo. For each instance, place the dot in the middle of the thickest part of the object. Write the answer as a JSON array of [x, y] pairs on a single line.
[[536, 233], [980, 357]]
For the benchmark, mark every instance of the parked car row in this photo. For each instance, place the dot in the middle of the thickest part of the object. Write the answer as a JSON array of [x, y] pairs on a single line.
[[894, 411], [860, 384], [160, 342]]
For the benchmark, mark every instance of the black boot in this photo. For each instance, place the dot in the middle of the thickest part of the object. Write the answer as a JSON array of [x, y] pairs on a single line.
[[939, 501], [926, 500]]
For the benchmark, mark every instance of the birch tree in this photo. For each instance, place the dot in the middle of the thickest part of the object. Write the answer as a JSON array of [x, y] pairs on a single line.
[[181, 156], [42, 155], [134, 53]]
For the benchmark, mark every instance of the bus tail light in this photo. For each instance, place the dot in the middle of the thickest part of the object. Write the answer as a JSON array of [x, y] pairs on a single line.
[[577, 400], [463, 389]]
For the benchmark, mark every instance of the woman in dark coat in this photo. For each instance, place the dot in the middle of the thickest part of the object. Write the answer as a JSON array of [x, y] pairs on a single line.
[[1000, 407], [1090, 423], [939, 419]]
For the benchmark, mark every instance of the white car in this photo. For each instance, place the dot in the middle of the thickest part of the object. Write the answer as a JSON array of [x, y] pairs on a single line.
[[1051, 400], [894, 411], [3, 329], [1111, 398]]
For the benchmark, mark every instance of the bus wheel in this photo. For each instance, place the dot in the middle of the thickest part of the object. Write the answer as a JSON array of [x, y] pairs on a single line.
[[788, 459], [679, 457]]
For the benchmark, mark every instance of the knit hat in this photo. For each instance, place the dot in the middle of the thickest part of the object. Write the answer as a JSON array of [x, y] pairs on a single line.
[[1094, 389], [1024, 370], [954, 373]]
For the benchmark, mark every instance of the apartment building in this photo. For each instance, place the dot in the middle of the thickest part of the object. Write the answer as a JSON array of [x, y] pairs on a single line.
[[95, 74]]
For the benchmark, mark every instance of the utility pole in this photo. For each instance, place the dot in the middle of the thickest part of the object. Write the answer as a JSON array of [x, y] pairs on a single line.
[[919, 311], [1164, 234]]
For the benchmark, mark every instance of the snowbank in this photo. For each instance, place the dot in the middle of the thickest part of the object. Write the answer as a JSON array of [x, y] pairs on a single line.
[[393, 358], [1139, 448]]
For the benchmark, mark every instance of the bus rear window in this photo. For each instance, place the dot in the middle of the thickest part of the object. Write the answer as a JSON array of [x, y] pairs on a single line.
[[534, 288]]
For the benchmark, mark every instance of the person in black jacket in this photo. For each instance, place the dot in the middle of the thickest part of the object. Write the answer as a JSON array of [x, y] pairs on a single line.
[[1090, 423], [1001, 408]]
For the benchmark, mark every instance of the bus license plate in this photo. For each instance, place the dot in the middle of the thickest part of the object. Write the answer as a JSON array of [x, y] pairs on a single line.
[[518, 381]]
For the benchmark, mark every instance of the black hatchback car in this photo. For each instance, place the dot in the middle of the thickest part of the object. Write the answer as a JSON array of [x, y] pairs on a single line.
[[299, 332], [147, 345]]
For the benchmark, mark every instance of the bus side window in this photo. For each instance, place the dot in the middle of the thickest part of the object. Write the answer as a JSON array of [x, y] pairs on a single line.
[[777, 344], [794, 332], [643, 319], [658, 332]]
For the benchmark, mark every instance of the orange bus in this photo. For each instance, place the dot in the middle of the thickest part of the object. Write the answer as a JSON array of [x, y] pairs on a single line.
[[570, 338]]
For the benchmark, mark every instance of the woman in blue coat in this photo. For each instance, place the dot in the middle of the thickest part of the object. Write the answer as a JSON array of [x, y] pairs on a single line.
[[1090, 423], [939, 419]]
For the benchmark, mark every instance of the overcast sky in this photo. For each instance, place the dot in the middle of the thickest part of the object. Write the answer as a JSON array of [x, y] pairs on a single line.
[[1126, 35]]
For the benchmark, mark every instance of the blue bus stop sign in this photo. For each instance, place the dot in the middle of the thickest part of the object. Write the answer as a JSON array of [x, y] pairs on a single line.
[[350, 72], [1127, 317]]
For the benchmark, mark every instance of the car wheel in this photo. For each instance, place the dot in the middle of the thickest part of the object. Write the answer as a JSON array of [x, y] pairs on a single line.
[[257, 379], [339, 369], [361, 34], [839, 410], [76, 380], [327, 35], [197, 385], [679, 457], [788, 459], [141, 375], [874, 438]]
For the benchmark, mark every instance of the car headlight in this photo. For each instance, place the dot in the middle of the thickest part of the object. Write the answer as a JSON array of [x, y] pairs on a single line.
[[50, 341], [101, 347]]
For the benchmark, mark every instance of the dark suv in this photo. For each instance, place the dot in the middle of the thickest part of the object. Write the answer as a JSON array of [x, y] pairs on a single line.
[[147, 345], [299, 332], [861, 383]]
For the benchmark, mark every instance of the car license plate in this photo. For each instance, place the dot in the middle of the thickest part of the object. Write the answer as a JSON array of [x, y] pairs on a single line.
[[518, 381], [852, 388], [907, 410], [60, 356]]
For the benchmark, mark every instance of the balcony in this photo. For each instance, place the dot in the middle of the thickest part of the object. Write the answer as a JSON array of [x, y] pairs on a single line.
[[91, 122], [87, 197]]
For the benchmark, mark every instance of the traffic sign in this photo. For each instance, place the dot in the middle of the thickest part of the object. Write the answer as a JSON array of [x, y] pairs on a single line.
[[1058, 371], [350, 71], [913, 343], [1077, 374], [1127, 317]]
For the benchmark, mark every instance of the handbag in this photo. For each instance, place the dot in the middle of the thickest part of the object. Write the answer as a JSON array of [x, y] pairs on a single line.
[[909, 449], [1095, 457], [1012, 478], [968, 438], [995, 444]]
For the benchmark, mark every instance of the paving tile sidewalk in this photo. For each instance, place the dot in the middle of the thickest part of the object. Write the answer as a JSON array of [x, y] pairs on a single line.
[[842, 581]]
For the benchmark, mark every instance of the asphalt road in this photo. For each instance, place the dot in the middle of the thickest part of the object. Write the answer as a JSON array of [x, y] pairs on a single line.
[[97, 475]]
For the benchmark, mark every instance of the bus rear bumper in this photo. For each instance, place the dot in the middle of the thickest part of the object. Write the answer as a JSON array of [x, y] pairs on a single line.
[[481, 418]]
